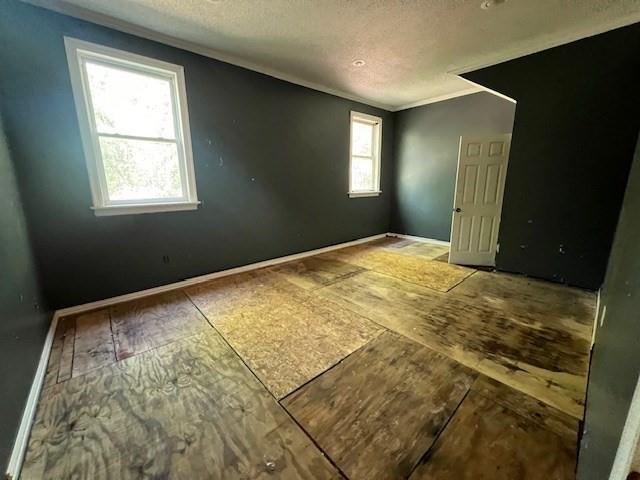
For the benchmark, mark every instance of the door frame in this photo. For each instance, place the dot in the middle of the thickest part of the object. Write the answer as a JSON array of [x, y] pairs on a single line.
[[480, 138]]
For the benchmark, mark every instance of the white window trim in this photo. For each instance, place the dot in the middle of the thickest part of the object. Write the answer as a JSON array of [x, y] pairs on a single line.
[[77, 51], [377, 153]]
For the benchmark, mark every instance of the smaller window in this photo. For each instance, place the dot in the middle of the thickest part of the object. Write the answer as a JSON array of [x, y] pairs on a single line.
[[134, 125], [364, 157]]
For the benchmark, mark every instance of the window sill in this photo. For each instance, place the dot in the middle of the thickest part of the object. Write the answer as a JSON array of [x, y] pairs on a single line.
[[144, 208], [364, 194]]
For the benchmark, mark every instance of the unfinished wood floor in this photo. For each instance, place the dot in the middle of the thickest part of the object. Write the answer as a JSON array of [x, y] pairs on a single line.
[[376, 361]]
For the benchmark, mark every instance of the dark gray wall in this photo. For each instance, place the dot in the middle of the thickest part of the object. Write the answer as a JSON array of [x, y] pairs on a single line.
[[426, 158], [23, 319], [271, 164], [615, 364], [573, 139]]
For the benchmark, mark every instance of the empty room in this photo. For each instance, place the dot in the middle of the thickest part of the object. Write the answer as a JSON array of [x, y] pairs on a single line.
[[304, 239]]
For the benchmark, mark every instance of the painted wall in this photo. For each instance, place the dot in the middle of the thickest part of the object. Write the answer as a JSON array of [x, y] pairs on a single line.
[[23, 317], [615, 364], [426, 157], [271, 163], [574, 135]]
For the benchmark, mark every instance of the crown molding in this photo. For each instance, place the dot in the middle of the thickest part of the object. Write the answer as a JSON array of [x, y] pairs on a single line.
[[550, 43], [441, 98], [81, 13]]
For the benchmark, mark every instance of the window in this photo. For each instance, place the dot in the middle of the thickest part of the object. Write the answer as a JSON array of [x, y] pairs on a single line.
[[134, 125], [364, 164]]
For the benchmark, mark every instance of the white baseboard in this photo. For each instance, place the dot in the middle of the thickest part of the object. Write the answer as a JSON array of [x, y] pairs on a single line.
[[209, 276], [22, 438], [420, 239]]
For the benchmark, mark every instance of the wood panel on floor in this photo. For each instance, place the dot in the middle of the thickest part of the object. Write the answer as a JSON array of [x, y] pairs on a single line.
[[151, 322], [94, 346], [65, 369], [184, 411], [442, 258], [420, 271], [315, 272], [285, 339], [570, 309], [380, 409], [534, 410], [392, 243], [223, 296], [487, 440], [531, 352], [428, 251], [57, 347]]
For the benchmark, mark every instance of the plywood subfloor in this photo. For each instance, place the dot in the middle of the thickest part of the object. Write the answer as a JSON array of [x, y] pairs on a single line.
[[388, 402], [151, 322], [188, 410], [421, 271], [530, 350], [316, 272], [428, 251], [486, 439], [376, 348], [286, 339]]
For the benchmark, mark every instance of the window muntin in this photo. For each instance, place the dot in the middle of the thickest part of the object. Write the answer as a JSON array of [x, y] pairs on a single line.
[[134, 125], [364, 164]]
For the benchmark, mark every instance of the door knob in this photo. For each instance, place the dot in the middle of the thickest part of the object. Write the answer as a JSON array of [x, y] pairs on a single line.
[[458, 210]]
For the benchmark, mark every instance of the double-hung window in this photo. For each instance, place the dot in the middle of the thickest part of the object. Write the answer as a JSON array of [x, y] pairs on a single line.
[[134, 125], [364, 164]]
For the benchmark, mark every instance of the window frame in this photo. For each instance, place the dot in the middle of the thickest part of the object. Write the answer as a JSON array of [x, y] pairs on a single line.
[[376, 153], [78, 52]]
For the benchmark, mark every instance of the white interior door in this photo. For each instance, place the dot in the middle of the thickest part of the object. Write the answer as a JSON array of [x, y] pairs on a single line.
[[482, 168]]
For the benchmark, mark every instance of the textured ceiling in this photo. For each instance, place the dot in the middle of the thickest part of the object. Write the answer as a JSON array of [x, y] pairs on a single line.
[[410, 46]]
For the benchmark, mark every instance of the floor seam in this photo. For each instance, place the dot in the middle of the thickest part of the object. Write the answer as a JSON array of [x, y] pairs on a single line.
[[327, 370], [441, 431], [324, 454]]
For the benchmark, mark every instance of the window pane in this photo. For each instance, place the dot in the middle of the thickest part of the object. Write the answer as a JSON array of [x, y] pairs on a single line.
[[361, 174], [139, 170], [129, 103], [362, 139]]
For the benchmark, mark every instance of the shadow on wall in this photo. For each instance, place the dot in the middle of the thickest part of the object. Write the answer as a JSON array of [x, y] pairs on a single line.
[[24, 319], [573, 139], [615, 365]]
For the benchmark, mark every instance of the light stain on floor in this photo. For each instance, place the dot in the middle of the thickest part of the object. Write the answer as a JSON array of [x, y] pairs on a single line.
[[490, 441], [185, 411], [387, 402], [191, 408]]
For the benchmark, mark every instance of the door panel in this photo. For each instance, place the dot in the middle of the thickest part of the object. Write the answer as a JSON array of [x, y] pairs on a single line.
[[482, 166]]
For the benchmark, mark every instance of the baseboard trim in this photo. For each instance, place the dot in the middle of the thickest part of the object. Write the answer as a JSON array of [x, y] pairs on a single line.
[[22, 437], [24, 430], [420, 239], [210, 276]]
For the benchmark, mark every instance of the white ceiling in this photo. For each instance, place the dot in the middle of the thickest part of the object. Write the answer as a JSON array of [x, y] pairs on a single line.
[[411, 47]]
